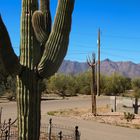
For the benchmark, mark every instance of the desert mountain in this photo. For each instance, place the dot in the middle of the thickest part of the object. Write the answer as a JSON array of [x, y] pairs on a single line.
[[108, 67]]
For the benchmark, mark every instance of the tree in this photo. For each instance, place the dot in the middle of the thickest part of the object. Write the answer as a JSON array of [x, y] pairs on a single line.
[[103, 80], [136, 87], [63, 85], [42, 50], [83, 81], [69, 84], [117, 84]]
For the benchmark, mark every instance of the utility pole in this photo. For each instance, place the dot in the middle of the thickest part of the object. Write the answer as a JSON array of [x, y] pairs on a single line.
[[98, 65], [92, 64]]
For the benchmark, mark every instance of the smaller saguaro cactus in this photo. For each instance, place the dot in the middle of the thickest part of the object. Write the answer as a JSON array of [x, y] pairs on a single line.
[[92, 64], [136, 106]]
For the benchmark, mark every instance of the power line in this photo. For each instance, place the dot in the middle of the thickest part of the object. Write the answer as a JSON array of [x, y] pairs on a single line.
[[116, 55], [82, 44], [102, 52], [85, 34], [110, 49], [124, 50], [77, 53], [121, 37], [106, 35]]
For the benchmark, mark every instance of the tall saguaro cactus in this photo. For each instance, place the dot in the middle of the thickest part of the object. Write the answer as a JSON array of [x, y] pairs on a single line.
[[42, 50]]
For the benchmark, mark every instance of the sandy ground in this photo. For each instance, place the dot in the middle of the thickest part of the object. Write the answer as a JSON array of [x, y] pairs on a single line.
[[79, 114], [103, 116], [66, 108]]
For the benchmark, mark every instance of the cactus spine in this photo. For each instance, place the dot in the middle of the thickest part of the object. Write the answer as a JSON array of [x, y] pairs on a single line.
[[42, 50]]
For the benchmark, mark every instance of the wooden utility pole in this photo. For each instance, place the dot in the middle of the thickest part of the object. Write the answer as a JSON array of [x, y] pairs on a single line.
[[92, 64], [98, 69]]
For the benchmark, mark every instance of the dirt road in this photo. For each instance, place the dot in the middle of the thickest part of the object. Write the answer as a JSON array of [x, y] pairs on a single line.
[[90, 130]]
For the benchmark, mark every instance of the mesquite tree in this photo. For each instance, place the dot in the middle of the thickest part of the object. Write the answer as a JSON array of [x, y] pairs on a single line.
[[42, 49]]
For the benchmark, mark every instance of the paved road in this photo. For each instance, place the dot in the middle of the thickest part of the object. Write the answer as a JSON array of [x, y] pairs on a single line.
[[96, 131], [90, 130]]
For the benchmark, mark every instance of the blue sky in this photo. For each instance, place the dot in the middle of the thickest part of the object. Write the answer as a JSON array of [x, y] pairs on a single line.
[[119, 21]]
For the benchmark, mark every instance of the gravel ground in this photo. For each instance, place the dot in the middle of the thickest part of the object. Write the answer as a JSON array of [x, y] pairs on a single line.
[[103, 116]]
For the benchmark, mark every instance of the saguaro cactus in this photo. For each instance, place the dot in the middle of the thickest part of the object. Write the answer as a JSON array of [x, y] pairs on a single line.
[[42, 50]]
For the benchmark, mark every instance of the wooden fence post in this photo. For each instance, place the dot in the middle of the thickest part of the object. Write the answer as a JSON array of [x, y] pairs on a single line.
[[77, 133], [6, 135], [0, 115], [60, 135], [9, 127], [50, 129]]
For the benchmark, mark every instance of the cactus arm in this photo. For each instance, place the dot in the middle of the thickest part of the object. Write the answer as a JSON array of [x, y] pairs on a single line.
[[7, 55], [38, 23], [41, 22], [56, 46], [45, 8]]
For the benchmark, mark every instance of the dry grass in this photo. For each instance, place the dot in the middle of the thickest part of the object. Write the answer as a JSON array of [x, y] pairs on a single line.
[[104, 116], [76, 111]]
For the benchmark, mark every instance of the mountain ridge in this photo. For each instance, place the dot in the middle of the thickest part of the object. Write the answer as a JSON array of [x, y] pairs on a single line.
[[108, 67]]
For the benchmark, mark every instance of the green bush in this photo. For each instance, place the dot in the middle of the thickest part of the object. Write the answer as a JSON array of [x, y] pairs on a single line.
[[136, 87], [116, 84], [64, 85], [70, 85]]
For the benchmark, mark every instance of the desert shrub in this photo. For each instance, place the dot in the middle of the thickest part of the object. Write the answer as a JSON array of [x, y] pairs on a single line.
[[129, 116], [136, 87], [83, 81], [117, 84], [64, 85]]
